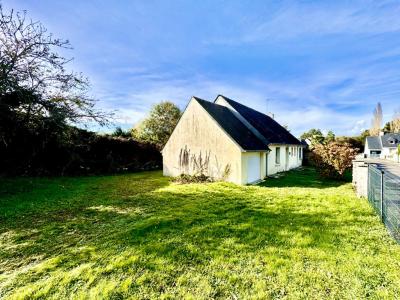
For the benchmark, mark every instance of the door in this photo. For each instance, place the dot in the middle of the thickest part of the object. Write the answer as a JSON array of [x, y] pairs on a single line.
[[253, 168]]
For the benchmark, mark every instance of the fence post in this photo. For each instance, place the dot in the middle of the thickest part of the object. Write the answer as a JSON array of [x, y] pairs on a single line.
[[382, 173], [369, 183]]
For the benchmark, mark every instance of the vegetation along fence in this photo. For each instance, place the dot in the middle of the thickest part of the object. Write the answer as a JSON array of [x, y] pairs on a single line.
[[384, 196]]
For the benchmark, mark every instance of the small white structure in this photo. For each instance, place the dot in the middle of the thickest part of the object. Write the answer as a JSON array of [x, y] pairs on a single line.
[[227, 140], [383, 146]]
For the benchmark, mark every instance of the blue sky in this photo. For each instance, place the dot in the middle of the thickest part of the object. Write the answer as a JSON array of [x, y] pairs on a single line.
[[320, 64]]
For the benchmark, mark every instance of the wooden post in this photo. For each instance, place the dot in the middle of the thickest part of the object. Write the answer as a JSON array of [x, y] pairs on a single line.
[[382, 216]]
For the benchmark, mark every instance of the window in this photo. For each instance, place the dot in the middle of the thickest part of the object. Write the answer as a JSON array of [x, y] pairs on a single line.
[[278, 155], [300, 151]]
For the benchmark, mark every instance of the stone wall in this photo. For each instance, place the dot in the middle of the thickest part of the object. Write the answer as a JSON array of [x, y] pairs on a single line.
[[360, 178]]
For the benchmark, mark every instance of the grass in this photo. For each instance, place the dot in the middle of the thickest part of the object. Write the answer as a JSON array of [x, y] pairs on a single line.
[[140, 236]]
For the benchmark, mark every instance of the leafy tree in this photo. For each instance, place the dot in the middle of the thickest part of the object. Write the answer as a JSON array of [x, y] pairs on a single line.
[[330, 136], [396, 122], [119, 132], [333, 159], [355, 142], [315, 136], [387, 127], [364, 135], [376, 124], [158, 126]]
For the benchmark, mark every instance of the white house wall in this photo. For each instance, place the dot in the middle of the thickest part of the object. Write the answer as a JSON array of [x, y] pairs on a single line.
[[390, 154], [386, 152], [293, 158], [199, 133]]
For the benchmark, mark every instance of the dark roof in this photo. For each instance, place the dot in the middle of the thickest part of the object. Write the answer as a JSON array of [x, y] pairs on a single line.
[[268, 127], [390, 140], [233, 126], [304, 143], [374, 142]]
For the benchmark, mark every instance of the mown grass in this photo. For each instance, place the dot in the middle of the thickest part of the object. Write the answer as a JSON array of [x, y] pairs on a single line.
[[141, 236]]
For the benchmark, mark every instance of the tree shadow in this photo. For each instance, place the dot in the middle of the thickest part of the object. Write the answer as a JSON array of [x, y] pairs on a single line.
[[41, 198], [153, 228]]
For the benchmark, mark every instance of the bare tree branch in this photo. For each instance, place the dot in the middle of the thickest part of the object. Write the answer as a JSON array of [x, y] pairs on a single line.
[[29, 61]]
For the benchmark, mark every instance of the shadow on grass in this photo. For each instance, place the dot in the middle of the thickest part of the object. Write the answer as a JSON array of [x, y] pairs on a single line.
[[303, 177], [179, 232], [51, 198], [143, 228]]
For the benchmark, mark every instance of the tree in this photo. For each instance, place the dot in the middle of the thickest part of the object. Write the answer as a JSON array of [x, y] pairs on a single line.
[[40, 99], [315, 136], [364, 135], [398, 153], [396, 121], [30, 65], [158, 126], [119, 132], [387, 127], [330, 136], [356, 142], [376, 124], [333, 159]]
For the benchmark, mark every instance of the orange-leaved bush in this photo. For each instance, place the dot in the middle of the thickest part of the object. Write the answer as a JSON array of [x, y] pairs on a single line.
[[333, 159]]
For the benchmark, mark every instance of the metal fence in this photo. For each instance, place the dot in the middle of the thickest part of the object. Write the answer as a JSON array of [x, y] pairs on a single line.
[[384, 196]]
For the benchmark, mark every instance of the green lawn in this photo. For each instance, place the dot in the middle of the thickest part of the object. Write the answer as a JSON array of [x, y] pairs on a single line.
[[139, 235]]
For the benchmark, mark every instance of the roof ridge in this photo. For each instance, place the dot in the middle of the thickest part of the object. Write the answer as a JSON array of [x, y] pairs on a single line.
[[214, 111], [242, 119], [274, 131], [201, 99], [229, 99]]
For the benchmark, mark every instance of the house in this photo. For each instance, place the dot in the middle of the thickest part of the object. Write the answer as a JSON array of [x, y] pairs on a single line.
[[230, 141], [383, 146]]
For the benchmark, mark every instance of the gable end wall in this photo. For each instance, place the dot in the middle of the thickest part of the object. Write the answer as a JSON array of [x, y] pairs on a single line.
[[198, 132]]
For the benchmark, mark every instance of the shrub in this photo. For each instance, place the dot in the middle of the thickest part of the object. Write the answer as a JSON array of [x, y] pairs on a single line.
[[186, 178], [47, 151], [333, 159]]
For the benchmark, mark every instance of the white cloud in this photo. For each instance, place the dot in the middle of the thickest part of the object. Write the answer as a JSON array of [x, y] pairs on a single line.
[[308, 19]]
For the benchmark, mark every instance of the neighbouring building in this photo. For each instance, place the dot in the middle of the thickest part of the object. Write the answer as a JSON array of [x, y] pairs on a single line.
[[228, 140], [383, 146]]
